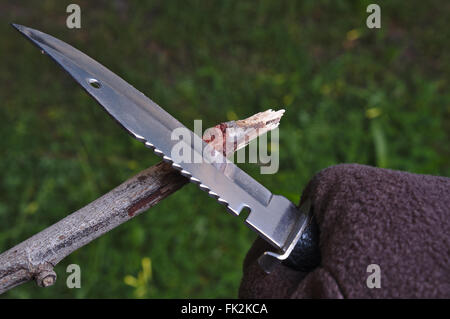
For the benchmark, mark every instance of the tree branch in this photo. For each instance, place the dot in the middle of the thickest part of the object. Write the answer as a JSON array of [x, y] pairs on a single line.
[[35, 257]]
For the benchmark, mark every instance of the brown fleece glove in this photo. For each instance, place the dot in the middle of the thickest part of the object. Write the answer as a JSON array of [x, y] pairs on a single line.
[[396, 220]]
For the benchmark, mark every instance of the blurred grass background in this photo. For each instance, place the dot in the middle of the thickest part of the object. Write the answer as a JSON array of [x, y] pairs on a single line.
[[351, 94]]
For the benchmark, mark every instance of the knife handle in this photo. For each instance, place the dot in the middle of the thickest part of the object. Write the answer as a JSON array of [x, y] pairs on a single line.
[[306, 254]]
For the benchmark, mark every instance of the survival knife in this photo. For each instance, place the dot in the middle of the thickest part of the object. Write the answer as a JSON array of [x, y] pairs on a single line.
[[288, 229]]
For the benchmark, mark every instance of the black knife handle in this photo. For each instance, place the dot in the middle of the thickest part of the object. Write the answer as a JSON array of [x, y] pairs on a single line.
[[306, 254]]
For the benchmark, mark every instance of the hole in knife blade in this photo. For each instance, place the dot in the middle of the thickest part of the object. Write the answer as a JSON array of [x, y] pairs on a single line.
[[244, 213], [94, 83]]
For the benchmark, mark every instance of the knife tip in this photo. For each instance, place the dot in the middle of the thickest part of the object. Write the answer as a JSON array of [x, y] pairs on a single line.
[[18, 27]]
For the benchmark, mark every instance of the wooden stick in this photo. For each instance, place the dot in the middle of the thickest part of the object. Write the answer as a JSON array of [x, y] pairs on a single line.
[[35, 257]]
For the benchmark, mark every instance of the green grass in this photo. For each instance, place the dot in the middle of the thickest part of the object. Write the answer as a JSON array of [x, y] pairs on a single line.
[[351, 94]]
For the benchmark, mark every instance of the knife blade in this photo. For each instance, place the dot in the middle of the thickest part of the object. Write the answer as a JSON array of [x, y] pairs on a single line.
[[273, 217]]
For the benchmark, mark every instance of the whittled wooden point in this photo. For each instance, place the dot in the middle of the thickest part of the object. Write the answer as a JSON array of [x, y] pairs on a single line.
[[34, 258]]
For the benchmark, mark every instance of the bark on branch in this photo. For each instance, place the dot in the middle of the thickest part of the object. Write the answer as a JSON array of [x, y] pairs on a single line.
[[35, 257]]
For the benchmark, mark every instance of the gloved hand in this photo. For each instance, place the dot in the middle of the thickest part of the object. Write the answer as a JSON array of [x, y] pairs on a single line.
[[397, 221]]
